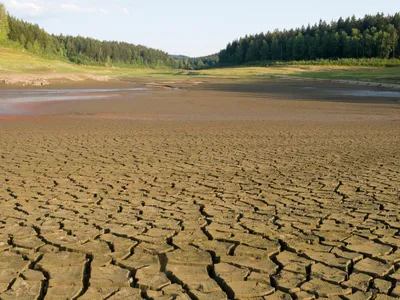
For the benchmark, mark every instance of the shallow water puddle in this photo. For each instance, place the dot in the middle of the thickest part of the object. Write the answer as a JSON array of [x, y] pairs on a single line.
[[366, 93], [8, 96], [357, 93]]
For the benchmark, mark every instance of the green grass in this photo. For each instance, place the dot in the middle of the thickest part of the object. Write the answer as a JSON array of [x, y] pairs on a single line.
[[11, 45], [367, 74], [19, 61], [381, 75], [349, 62]]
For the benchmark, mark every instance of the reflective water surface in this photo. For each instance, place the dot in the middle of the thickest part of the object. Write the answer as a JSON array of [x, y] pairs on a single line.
[[10, 98]]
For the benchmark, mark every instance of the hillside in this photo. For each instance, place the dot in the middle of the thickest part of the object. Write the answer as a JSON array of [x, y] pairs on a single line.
[[368, 37], [79, 50], [368, 41], [179, 57], [19, 67], [319, 51]]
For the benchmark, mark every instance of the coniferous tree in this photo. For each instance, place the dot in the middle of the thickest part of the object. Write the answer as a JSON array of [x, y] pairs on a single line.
[[369, 37], [78, 49], [393, 37], [4, 29]]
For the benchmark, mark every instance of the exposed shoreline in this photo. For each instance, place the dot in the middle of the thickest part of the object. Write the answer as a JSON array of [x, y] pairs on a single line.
[[274, 99], [210, 168], [86, 80], [344, 81]]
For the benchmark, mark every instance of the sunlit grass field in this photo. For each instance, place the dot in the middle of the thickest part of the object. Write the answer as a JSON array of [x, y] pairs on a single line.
[[367, 74], [20, 62], [17, 61]]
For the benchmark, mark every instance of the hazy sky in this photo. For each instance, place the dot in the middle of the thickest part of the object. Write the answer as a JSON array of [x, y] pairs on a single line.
[[189, 27]]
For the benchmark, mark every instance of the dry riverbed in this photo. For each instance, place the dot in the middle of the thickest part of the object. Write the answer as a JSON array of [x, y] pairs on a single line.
[[227, 190]]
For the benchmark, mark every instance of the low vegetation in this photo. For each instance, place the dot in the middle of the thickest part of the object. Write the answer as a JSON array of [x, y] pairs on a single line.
[[351, 62], [20, 61], [329, 72], [351, 49]]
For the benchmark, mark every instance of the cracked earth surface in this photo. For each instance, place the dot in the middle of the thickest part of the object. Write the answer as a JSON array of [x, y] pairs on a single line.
[[119, 209]]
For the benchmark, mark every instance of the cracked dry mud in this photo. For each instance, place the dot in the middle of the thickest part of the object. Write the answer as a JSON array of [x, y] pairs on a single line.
[[119, 209]]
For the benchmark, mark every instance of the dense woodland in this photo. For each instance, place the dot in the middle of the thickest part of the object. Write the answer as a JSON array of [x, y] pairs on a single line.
[[89, 51], [79, 49], [197, 63], [3, 23], [368, 37]]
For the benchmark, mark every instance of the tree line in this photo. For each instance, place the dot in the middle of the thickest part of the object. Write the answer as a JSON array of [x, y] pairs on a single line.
[[196, 63], [88, 51], [351, 38], [4, 30], [368, 37], [80, 50]]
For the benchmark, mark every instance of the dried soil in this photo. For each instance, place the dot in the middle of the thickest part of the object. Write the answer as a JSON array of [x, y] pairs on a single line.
[[201, 193]]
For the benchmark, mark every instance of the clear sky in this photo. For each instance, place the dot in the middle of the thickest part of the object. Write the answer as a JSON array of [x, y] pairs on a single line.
[[189, 27]]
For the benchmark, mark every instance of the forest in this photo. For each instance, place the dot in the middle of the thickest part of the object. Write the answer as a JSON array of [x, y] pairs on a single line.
[[368, 37], [197, 63], [80, 50], [88, 51], [352, 40]]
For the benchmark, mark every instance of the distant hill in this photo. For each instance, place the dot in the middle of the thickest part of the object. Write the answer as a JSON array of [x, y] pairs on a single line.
[[79, 50], [179, 57], [197, 63], [88, 51]]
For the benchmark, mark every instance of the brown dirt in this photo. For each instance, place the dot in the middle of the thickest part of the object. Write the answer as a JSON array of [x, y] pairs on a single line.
[[39, 80], [212, 192]]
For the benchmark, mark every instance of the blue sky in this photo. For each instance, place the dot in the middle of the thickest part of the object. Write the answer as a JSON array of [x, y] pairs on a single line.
[[189, 27]]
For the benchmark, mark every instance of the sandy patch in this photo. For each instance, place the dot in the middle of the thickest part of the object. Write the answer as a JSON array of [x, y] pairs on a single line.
[[46, 79]]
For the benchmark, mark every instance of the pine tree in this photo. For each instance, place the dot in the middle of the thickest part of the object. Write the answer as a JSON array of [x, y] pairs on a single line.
[[4, 29], [393, 36], [371, 37]]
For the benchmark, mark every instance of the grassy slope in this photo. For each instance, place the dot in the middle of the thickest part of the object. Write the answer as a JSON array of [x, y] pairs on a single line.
[[382, 75], [368, 74], [13, 61]]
